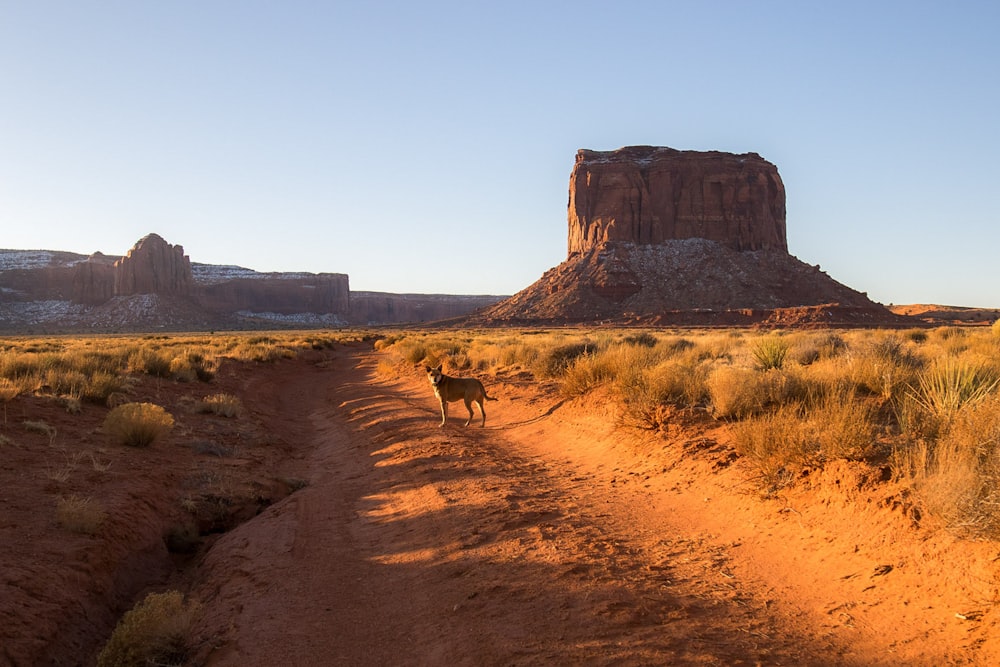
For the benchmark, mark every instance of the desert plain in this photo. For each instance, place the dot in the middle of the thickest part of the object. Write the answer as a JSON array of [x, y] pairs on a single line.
[[324, 518]]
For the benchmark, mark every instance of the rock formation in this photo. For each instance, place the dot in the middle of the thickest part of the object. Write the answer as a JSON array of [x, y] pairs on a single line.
[[658, 235], [280, 293], [156, 287], [153, 266], [648, 195], [94, 279]]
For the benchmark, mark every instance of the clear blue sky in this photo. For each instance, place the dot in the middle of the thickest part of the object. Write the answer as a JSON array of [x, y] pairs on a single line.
[[427, 146]]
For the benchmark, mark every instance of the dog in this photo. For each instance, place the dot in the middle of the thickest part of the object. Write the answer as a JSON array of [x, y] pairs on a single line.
[[448, 389]]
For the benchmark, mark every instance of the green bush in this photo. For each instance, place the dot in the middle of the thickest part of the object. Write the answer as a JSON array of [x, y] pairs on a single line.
[[138, 424]]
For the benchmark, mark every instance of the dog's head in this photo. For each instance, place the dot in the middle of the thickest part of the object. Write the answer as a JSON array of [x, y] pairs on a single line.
[[434, 374]]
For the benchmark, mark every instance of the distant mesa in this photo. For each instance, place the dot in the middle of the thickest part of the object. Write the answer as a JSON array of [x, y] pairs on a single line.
[[662, 236], [155, 286]]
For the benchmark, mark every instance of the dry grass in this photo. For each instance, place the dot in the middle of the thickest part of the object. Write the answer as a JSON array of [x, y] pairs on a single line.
[[154, 632], [80, 515], [98, 369], [225, 405], [41, 427], [791, 399], [957, 475], [138, 424]]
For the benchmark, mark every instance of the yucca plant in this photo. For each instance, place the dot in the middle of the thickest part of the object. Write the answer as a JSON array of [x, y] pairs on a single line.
[[951, 383], [770, 353]]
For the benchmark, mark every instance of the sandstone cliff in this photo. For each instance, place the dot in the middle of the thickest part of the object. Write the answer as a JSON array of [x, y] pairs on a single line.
[[155, 286], [661, 236], [153, 266], [225, 289], [648, 195]]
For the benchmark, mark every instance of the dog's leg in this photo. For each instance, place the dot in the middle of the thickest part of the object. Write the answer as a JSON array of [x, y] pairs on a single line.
[[444, 412], [482, 411], [468, 406]]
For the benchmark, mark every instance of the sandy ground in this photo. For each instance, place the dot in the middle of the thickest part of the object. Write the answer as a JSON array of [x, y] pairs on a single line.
[[551, 536], [554, 537]]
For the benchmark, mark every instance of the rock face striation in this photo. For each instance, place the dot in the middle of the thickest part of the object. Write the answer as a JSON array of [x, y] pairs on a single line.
[[153, 266], [662, 236], [647, 195]]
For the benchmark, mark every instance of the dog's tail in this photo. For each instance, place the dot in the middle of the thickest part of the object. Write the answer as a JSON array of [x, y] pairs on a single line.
[[487, 397]]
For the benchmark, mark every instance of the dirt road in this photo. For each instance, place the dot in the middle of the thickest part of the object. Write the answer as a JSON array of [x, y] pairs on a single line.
[[554, 537]]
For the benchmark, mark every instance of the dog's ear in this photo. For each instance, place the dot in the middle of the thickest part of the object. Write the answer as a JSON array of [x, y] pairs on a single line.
[[440, 368], [427, 369]]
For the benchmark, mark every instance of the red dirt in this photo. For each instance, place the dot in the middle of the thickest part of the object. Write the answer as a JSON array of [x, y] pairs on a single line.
[[552, 536]]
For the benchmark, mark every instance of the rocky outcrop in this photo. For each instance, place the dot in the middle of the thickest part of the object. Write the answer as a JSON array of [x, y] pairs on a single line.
[[661, 236], [94, 279], [648, 195], [156, 287], [693, 281], [153, 266]]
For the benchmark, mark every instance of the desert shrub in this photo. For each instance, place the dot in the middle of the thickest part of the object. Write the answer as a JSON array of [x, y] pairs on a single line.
[[225, 405], [260, 348], [796, 433], [769, 352], [80, 515], [995, 329], [883, 367], [9, 389], [61, 380], [774, 443], [100, 386], [957, 476], [154, 632], [842, 425], [644, 338], [149, 360], [731, 391], [680, 380], [676, 345], [806, 348], [620, 363], [949, 384], [202, 366], [517, 353], [182, 370], [584, 373], [554, 361], [413, 352], [385, 343], [645, 394], [739, 392], [138, 424]]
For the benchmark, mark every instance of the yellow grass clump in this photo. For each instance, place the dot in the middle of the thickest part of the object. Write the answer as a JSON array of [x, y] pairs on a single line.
[[80, 515], [154, 632], [138, 424]]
